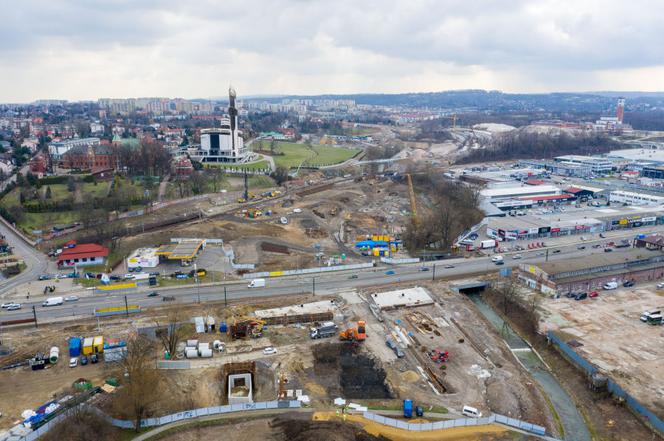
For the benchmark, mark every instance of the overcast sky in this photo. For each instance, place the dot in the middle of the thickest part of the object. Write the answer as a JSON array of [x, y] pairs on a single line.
[[86, 49]]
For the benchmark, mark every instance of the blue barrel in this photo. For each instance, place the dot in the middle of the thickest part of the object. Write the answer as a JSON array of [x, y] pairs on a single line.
[[223, 328]]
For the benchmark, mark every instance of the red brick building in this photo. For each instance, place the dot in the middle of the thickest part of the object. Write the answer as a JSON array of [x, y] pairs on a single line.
[[38, 165], [182, 167], [89, 157]]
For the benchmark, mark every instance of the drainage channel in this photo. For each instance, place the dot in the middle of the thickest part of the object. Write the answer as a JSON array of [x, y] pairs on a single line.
[[572, 421]]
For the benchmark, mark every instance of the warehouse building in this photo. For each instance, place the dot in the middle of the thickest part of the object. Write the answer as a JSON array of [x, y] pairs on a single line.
[[592, 272]]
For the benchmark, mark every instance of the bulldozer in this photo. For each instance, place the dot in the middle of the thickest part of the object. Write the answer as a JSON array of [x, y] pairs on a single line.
[[355, 334]]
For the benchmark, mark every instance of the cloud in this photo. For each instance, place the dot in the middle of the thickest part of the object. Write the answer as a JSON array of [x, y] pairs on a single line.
[[81, 49]]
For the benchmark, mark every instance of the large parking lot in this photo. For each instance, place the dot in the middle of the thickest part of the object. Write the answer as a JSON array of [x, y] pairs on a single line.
[[609, 334]]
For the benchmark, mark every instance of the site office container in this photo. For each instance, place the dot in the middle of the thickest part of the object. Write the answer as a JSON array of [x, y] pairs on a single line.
[[98, 344], [87, 345]]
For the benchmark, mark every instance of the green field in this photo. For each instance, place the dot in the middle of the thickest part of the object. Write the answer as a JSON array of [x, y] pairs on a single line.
[[295, 155]]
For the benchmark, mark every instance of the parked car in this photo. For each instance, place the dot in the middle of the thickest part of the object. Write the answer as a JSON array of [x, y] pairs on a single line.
[[128, 276], [424, 268], [570, 295], [597, 245], [73, 362], [582, 247], [269, 350], [45, 277], [94, 358], [14, 307], [555, 251], [84, 360], [390, 272], [660, 285], [448, 266], [608, 250], [153, 294], [581, 296], [6, 305], [353, 276], [167, 299], [602, 235], [71, 299], [116, 278], [593, 294], [629, 284], [516, 256]]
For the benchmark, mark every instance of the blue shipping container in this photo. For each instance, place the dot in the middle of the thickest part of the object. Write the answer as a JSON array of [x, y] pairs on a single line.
[[74, 346]]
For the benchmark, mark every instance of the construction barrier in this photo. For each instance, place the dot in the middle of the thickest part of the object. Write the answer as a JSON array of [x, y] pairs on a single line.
[[322, 269], [461, 422], [583, 364], [392, 261], [117, 310], [117, 287]]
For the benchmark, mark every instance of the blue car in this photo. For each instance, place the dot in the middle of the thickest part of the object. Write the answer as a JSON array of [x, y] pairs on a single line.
[[390, 272]]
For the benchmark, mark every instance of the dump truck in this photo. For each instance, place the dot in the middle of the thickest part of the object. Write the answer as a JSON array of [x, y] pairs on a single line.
[[323, 330]]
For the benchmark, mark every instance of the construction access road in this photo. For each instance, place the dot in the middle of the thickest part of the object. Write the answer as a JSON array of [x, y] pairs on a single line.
[[316, 284]]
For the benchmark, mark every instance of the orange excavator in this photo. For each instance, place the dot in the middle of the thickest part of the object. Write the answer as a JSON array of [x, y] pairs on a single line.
[[355, 334]]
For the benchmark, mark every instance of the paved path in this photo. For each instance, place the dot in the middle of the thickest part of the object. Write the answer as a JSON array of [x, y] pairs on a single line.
[[219, 417], [162, 188]]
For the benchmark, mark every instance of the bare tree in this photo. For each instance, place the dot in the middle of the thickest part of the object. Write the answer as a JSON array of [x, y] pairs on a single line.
[[172, 331], [140, 389]]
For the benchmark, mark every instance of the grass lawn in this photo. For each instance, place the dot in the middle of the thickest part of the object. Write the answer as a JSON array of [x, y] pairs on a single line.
[[90, 190], [41, 221], [318, 155]]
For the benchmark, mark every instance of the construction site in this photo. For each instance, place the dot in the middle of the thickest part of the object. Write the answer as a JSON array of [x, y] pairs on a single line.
[[369, 347]]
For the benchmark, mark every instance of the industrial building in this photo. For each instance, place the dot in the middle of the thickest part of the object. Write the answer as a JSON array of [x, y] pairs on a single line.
[[598, 165], [592, 272], [633, 198], [503, 193]]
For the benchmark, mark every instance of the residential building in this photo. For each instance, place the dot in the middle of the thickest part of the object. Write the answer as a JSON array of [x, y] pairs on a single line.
[[182, 167], [38, 165]]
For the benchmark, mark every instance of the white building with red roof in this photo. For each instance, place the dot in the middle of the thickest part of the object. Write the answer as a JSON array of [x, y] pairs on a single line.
[[82, 254]]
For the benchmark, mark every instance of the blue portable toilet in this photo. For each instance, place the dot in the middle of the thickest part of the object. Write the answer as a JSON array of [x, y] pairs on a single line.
[[223, 328], [408, 408], [74, 346]]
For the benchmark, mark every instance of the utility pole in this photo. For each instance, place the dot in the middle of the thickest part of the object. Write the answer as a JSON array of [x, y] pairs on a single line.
[[198, 288], [547, 255], [225, 299], [126, 307], [34, 314], [313, 285]]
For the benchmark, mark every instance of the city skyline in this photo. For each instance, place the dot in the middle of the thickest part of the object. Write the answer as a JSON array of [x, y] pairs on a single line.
[[83, 51]]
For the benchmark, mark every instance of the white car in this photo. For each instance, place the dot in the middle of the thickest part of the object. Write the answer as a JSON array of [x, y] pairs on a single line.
[[71, 298], [269, 350], [516, 256], [14, 307], [73, 362], [128, 276], [6, 305], [297, 210], [660, 285]]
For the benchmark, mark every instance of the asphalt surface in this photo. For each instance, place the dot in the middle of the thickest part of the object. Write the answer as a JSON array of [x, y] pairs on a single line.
[[325, 283], [37, 262]]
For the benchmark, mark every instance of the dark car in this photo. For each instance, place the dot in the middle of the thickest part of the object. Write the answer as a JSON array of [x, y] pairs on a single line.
[[84, 360], [390, 272], [94, 358], [608, 250], [353, 276], [115, 278], [153, 294], [555, 251], [602, 235], [571, 295], [448, 266], [500, 262], [581, 296], [424, 268], [581, 247], [629, 284], [167, 299], [419, 411]]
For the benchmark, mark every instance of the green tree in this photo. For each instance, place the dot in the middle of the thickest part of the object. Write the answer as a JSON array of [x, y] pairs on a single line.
[[48, 194], [280, 174]]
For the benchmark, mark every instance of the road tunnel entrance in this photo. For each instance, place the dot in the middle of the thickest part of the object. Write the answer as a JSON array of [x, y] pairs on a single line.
[[469, 288]]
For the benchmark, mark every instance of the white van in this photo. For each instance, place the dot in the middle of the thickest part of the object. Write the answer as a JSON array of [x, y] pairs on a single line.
[[471, 412], [53, 301], [610, 285], [256, 283], [647, 314], [497, 259]]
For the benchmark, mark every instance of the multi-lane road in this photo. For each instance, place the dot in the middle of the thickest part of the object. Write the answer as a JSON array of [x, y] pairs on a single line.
[[36, 262], [324, 283]]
